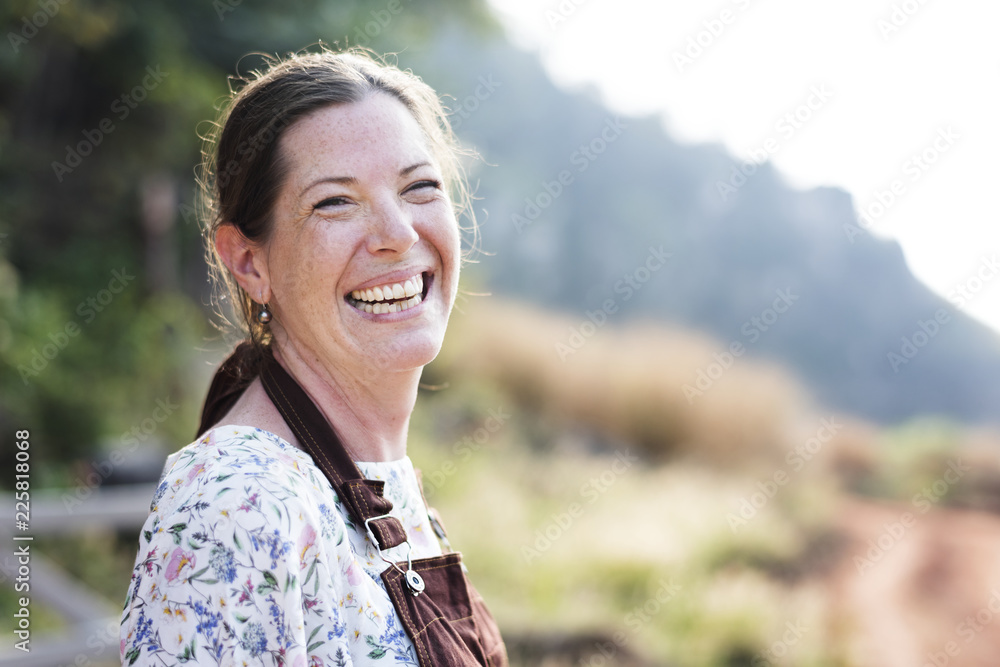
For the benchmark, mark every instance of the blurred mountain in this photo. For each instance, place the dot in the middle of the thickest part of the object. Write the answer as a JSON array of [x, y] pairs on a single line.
[[858, 328]]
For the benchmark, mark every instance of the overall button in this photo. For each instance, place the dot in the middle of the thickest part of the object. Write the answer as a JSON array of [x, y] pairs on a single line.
[[415, 582]]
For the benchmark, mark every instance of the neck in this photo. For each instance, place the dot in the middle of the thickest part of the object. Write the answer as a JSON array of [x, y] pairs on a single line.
[[369, 410]]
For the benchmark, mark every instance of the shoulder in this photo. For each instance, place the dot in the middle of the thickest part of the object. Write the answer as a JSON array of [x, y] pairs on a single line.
[[232, 561], [229, 458], [236, 498], [240, 483], [244, 447]]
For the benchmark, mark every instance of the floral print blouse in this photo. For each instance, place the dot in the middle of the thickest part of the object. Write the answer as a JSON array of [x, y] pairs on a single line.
[[249, 558]]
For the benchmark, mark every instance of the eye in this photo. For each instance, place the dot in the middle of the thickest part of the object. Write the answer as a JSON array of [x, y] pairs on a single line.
[[331, 202], [424, 189]]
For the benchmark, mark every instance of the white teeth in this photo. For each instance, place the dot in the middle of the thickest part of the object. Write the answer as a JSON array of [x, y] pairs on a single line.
[[379, 308], [406, 289]]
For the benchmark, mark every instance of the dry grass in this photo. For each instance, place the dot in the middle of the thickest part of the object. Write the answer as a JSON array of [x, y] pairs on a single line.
[[627, 383]]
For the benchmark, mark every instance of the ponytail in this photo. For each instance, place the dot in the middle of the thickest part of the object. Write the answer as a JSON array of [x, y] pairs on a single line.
[[230, 381]]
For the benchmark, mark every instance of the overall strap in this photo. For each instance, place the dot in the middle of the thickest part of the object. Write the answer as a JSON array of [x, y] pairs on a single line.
[[362, 497]]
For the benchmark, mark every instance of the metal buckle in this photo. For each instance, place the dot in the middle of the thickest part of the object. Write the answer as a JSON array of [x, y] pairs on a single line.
[[412, 578]]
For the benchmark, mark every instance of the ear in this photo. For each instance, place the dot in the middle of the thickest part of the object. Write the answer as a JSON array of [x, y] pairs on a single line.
[[244, 260]]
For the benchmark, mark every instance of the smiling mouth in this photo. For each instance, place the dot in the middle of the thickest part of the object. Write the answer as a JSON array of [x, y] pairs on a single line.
[[392, 297]]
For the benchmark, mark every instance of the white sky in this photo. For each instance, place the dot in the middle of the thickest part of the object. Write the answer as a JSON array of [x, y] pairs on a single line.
[[890, 95]]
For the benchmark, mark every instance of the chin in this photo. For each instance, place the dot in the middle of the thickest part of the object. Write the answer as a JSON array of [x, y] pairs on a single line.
[[408, 352]]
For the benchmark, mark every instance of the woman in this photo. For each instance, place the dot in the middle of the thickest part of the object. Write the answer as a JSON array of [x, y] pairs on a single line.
[[294, 531]]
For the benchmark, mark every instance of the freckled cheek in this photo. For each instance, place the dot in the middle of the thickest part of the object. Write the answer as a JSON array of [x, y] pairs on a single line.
[[309, 281], [442, 230]]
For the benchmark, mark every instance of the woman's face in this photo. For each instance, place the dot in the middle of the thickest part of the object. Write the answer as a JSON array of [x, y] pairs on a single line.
[[361, 215]]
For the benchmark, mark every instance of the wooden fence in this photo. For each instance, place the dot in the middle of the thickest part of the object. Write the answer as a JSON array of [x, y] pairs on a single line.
[[91, 637]]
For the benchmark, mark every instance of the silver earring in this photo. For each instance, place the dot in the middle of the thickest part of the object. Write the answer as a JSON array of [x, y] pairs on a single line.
[[264, 316]]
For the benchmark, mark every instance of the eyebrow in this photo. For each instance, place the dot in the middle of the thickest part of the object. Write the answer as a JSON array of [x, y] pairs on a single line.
[[351, 180]]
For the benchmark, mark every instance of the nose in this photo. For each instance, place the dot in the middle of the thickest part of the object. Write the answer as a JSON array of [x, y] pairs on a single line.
[[391, 227]]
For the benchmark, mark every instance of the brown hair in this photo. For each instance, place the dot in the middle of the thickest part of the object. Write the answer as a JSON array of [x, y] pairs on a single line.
[[242, 170]]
